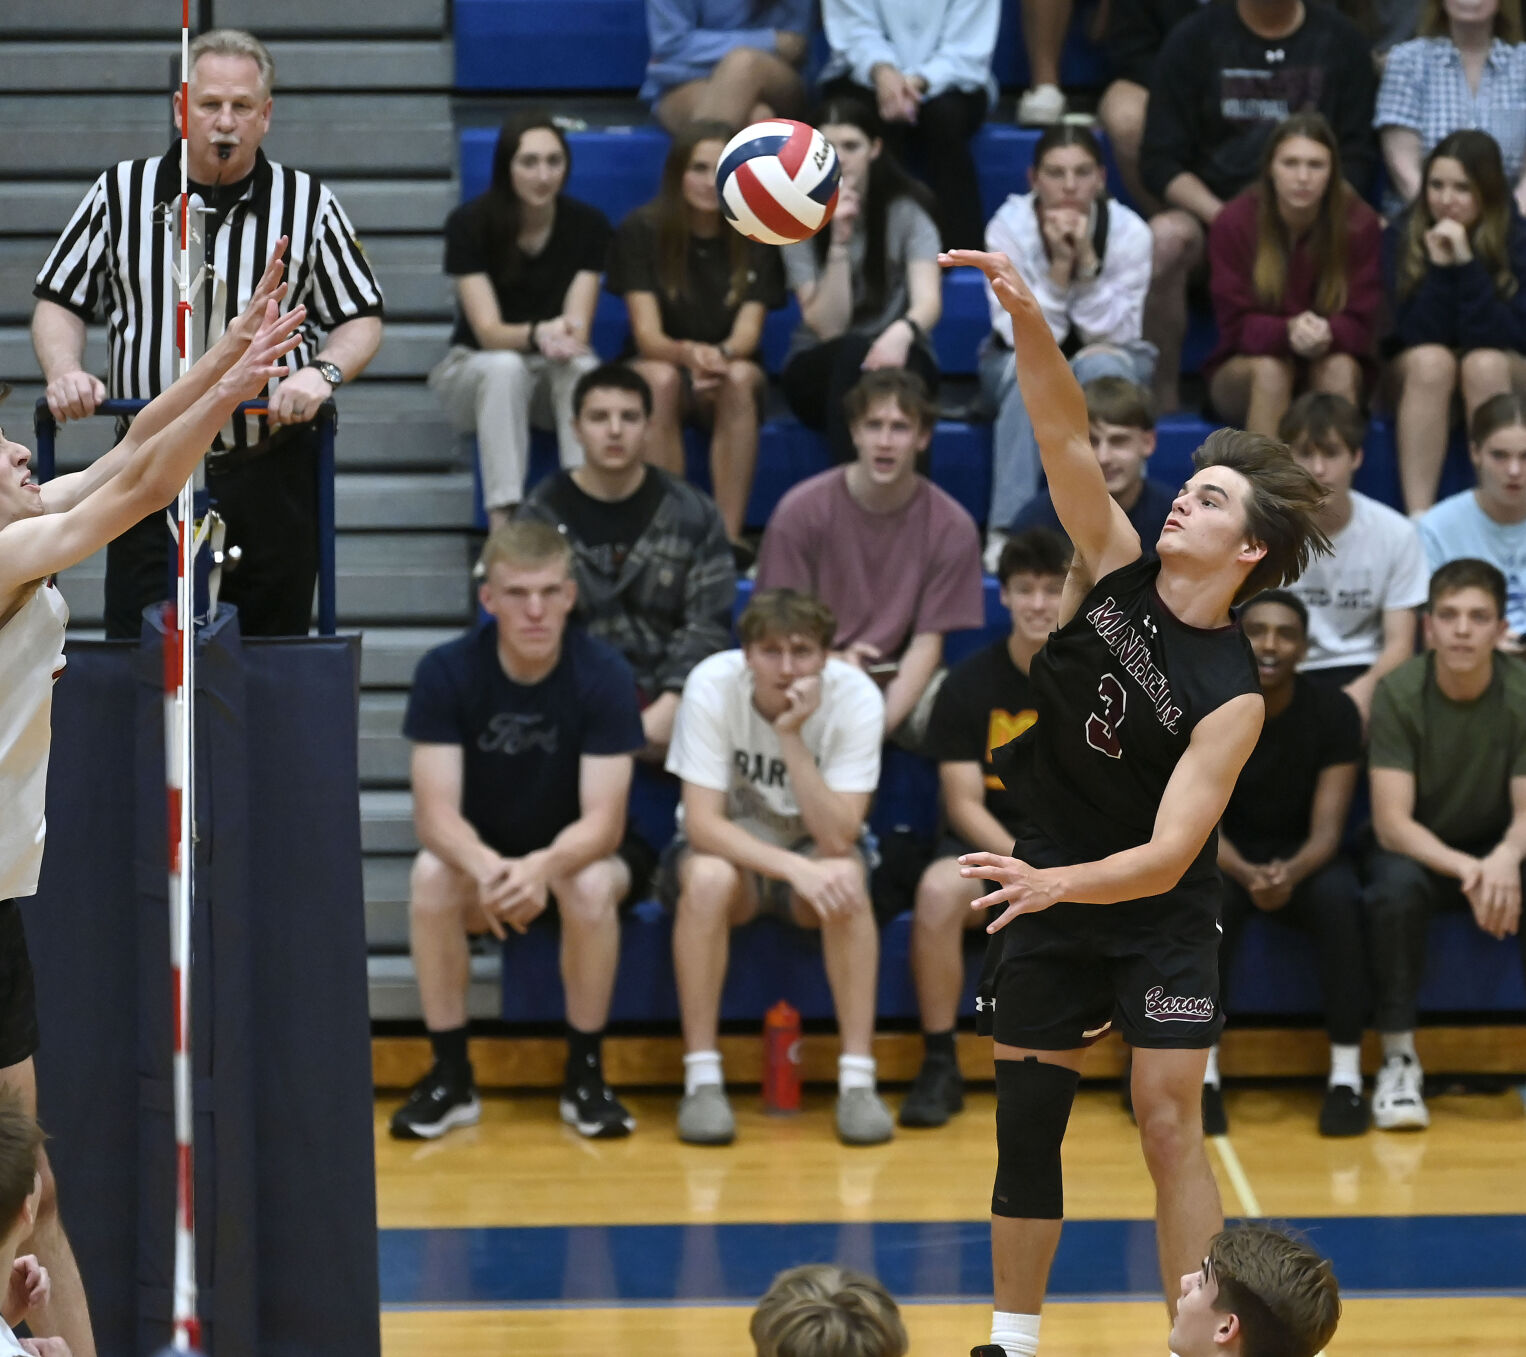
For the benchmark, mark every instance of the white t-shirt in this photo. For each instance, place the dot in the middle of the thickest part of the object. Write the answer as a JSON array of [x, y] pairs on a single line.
[[721, 741], [9, 1347], [1377, 566]]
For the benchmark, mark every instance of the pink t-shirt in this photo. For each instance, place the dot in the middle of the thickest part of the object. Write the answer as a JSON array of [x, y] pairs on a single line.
[[888, 577]]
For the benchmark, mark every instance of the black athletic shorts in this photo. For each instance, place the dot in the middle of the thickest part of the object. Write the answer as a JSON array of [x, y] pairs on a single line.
[[1064, 977], [18, 999]]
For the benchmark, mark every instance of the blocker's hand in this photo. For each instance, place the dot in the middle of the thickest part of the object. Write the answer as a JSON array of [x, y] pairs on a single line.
[[260, 362], [270, 288], [1009, 288], [1024, 889]]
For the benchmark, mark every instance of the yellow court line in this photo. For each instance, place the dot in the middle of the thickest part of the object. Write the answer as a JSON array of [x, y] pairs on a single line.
[[1235, 1171]]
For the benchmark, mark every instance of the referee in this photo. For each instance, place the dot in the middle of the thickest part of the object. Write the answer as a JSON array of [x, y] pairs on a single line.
[[114, 263]]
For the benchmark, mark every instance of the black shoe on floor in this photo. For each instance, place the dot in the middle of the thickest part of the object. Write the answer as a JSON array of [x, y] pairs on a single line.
[[988, 1350], [1215, 1122], [1344, 1112], [436, 1103], [591, 1109], [934, 1096]]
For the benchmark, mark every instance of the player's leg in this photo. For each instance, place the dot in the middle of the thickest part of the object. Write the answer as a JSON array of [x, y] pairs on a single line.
[[664, 432], [734, 443], [1235, 911]]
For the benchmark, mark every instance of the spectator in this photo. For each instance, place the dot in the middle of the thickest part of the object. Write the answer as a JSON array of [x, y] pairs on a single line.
[[1361, 598], [735, 62], [1279, 849], [1454, 263], [822, 1310], [653, 570], [526, 261], [27, 1283], [1044, 25], [869, 289], [1489, 521], [778, 746], [261, 473], [1448, 759], [523, 733], [1225, 79], [985, 703], [926, 65], [697, 293], [1467, 69], [895, 558], [1297, 282], [1087, 262], [1121, 419]]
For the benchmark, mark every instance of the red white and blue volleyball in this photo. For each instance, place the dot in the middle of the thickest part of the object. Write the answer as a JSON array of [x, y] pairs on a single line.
[[778, 181]]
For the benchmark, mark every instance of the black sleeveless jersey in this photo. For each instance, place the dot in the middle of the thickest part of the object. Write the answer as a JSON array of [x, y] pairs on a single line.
[[1119, 689]]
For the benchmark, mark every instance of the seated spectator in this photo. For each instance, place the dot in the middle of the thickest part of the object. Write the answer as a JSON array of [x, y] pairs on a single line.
[[1454, 263], [1489, 521], [926, 65], [523, 734], [822, 1310], [27, 1285], [654, 572], [1448, 756], [1044, 25], [1259, 1292], [1361, 597], [697, 292], [896, 558], [735, 62], [1225, 79], [985, 702], [778, 747], [1279, 849], [1087, 262], [869, 287], [1467, 69], [526, 261], [1297, 282], [1121, 419]]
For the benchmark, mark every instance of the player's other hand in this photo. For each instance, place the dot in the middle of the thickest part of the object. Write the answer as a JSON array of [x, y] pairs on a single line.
[[1000, 272], [29, 1287], [270, 288], [75, 395], [45, 1347], [1023, 889]]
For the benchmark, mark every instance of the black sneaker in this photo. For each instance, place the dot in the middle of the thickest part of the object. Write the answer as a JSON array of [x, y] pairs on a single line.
[[1215, 1121], [1344, 1112], [934, 1096], [591, 1109], [988, 1350], [436, 1104]]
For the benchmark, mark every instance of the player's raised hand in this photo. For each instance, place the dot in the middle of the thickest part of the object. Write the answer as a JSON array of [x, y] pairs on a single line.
[[258, 363], [1002, 274], [1024, 889], [270, 288]]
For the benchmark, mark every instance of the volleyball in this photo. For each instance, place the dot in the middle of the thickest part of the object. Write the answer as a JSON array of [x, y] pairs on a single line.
[[778, 181]]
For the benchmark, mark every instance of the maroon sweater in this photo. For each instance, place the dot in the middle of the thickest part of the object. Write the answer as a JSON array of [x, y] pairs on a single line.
[[1246, 327]]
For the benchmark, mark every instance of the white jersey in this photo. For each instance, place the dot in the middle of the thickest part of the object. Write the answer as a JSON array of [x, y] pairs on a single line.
[[9, 1347], [31, 658]]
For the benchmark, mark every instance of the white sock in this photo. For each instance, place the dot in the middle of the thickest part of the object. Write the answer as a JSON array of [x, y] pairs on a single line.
[[855, 1071], [701, 1068], [1399, 1043], [1346, 1067], [1016, 1335], [1211, 1070]]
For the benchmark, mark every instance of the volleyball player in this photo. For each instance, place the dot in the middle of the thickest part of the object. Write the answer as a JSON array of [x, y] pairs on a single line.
[[45, 529], [1148, 705]]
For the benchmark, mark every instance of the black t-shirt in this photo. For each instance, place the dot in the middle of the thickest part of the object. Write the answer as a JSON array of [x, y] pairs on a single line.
[[1268, 812], [985, 702], [1120, 688], [529, 287], [706, 310], [608, 528], [521, 743]]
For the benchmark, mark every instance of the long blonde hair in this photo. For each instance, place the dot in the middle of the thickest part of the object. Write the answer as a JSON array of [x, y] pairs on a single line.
[[1327, 237], [1479, 155]]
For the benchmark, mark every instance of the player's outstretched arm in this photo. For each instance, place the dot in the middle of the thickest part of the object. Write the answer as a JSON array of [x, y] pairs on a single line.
[[33, 548], [1099, 530]]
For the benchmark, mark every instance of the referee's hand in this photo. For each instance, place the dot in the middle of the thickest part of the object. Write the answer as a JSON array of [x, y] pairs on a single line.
[[75, 395]]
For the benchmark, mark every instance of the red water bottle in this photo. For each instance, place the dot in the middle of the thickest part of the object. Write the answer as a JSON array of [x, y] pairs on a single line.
[[781, 1059]]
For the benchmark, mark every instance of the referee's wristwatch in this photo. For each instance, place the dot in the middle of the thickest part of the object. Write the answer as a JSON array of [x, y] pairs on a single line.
[[329, 372]]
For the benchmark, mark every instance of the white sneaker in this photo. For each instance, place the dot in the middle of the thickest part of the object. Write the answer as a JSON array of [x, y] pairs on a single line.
[[1397, 1104], [991, 556], [1041, 106]]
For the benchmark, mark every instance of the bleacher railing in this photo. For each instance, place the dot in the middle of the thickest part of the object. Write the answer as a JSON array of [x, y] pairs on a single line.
[[327, 419]]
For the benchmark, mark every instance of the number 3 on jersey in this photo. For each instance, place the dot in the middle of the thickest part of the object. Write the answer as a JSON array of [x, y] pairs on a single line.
[[1102, 727]]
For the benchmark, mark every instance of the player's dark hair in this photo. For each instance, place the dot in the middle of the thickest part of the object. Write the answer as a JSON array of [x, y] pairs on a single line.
[[786, 612], [1283, 1293], [670, 216], [1283, 598], [1323, 420], [822, 1310], [1507, 410], [611, 377], [1117, 400], [20, 1140], [1037, 551], [507, 263], [1281, 511], [1468, 572], [901, 385]]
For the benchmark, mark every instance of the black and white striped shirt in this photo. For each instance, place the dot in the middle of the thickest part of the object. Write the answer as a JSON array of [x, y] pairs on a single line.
[[115, 263]]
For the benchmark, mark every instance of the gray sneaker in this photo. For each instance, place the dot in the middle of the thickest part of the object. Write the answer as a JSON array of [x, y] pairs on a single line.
[[863, 1118], [705, 1117]]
